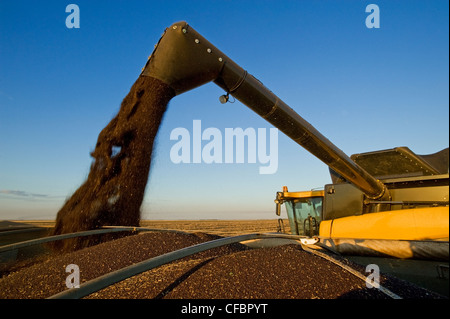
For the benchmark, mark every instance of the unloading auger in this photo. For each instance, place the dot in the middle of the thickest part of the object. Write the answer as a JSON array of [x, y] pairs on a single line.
[[184, 60]]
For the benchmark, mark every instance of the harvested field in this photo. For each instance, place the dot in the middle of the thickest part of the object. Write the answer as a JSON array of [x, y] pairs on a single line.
[[219, 227]]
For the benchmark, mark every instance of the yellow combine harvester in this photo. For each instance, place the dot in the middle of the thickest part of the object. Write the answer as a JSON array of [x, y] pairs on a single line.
[[412, 223]]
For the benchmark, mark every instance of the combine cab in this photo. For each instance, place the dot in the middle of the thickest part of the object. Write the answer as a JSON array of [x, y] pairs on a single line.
[[304, 210]]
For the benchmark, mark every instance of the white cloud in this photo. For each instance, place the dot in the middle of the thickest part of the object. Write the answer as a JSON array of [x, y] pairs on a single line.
[[22, 193]]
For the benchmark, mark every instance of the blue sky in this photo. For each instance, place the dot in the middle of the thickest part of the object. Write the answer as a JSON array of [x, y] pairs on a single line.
[[365, 89]]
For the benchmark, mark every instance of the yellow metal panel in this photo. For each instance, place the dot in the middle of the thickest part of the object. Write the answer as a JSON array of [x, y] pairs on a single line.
[[430, 223], [304, 194], [325, 228]]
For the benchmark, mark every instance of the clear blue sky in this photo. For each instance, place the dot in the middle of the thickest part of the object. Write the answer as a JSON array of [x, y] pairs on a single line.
[[365, 89]]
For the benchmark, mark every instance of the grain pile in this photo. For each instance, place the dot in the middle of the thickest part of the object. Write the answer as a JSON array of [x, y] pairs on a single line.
[[115, 186], [46, 278], [232, 271]]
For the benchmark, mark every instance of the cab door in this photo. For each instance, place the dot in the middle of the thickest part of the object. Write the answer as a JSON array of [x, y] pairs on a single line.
[[305, 215]]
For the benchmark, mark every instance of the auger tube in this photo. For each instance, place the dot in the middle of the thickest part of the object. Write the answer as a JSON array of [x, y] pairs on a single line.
[[184, 60]]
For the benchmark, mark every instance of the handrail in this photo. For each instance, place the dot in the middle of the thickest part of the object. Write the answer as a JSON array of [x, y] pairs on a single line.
[[59, 237]]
